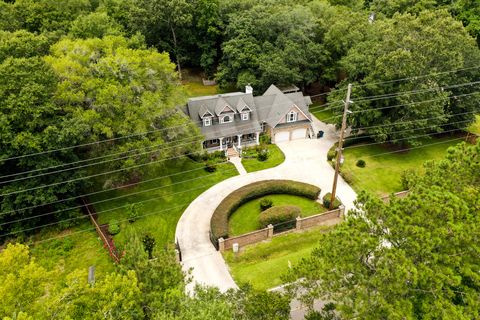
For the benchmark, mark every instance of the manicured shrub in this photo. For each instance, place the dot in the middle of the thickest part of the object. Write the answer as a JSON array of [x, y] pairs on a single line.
[[326, 201], [332, 153], [262, 155], [210, 166], [219, 221], [347, 176], [265, 203], [220, 155], [113, 227], [361, 163], [279, 214], [148, 244], [133, 211]]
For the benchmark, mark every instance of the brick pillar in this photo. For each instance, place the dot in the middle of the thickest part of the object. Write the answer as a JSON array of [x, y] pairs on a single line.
[[221, 244], [177, 255], [270, 231], [298, 224], [341, 209]]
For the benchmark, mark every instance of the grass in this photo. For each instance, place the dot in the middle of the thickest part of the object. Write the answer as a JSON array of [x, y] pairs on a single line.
[[160, 209], [323, 115], [275, 158], [196, 89], [78, 249], [475, 127], [245, 218], [382, 174], [263, 264]]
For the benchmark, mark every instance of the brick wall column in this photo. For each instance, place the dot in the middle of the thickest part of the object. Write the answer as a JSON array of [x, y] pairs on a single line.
[[298, 224], [270, 231], [341, 209], [221, 244]]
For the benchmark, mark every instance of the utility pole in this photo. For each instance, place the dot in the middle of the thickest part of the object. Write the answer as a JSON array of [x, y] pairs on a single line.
[[340, 145]]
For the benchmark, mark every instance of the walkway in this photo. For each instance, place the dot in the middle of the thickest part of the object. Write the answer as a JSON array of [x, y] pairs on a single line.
[[305, 161], [237, 162]]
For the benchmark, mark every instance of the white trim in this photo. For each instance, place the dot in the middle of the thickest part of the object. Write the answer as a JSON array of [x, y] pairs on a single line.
[[300, 110], [227, 106], [207, 122], [246, 107], [245, 116], [230, 117], [207, 111], [292, 116]]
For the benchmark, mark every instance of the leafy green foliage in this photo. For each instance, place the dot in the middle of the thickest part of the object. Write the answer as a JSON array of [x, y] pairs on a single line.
[[265, 204], [361, 163], [279, 214], [411, 258], [327, 198], [391, 52], [94, 25]]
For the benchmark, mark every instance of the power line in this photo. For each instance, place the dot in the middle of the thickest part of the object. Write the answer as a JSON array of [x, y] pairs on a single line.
[[417, 77], [111, 199]]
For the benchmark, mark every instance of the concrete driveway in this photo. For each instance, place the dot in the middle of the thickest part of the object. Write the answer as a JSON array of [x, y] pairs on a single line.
[[305, 161]]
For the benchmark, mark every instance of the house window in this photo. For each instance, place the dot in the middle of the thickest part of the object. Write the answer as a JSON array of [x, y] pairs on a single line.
[[291, 116], [245, 116], [226, 119], [207, 122]]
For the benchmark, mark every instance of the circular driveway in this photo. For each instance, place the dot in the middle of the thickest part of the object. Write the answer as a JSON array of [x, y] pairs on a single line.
[[305, 161]]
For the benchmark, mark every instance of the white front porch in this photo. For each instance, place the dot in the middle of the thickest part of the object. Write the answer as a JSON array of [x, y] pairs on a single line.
[[236, 141]]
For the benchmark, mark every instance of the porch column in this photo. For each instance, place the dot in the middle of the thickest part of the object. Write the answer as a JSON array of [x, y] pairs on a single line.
[[258, 138], [239, 140], [221, 143]]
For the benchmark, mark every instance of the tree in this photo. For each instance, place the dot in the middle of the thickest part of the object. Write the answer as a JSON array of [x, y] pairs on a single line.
[[412, 258], [403, 47], [125, 90], [270, 44], [23, 282], [23, 44], [94, 25]]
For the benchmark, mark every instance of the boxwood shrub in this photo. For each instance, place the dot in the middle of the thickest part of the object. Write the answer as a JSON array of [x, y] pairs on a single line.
[[279, 214], [219, 221], [326, 201]]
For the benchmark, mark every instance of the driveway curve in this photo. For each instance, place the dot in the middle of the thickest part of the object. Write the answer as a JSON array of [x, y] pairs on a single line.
[[305, 161]]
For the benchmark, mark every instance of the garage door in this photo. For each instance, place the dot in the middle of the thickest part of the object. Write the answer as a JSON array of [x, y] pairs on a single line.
[[282, 136], [299, 134]]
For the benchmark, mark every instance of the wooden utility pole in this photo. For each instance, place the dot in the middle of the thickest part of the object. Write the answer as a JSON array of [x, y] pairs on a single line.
[[340, 145]]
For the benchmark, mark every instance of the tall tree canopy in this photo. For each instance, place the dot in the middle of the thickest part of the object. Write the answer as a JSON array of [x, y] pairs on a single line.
[[412, 258], [409, 45]]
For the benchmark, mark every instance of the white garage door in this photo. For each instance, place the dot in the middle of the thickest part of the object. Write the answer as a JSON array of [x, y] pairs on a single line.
[[299, 134], [282, 136]]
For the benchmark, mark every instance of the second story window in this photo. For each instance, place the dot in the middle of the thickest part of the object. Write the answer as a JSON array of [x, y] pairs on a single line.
[[226, 119], [245, 116], [291, 116], [207, 122]]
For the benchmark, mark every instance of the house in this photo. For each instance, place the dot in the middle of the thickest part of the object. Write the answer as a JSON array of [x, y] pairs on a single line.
[[237, 119]]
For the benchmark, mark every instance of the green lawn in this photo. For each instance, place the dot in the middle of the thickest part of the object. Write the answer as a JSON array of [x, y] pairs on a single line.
[[79, 249], [162, 207], [263, 264], [321, 114], [475, 127], [275, 158], [245, 219], [196, 89], [382, 173]]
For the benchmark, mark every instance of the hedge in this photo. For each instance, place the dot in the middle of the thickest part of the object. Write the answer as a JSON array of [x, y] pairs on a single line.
[[326, 201], [219, 221], [279, 214]]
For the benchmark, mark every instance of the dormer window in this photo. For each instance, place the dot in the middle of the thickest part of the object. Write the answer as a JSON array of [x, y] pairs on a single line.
[[245, 116], [226, 119], [207, 122], [292, 116]]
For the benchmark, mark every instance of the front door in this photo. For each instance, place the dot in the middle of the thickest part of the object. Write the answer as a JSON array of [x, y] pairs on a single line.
[[228, 142]]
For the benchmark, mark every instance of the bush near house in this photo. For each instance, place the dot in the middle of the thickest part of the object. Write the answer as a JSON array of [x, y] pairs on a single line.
[[279, 214], [113, 227], [326, 201], [219, 221]]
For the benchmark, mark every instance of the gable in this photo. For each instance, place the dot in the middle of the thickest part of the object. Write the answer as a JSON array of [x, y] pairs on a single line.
[[300, 115], [227, 109]]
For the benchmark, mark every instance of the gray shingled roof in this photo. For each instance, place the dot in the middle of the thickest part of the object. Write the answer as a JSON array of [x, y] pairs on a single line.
[[269, 107]]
